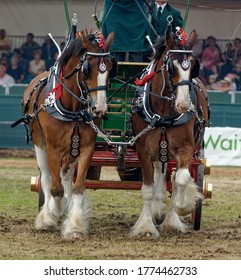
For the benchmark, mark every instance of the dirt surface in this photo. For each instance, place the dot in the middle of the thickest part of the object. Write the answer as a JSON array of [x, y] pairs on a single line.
[[17, 153], [218, 238]]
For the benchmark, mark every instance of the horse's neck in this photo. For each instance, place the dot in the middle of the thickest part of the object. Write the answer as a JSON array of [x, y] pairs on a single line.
[[68, 100], [159, 105], [70, 88]]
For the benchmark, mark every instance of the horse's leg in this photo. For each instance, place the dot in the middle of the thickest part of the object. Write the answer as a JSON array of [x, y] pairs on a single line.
[[158, 203], [76, 224], [67, 181], [45, 220], [144, 226], [184, 194], [187, 192], [172, 221], [56, 188]]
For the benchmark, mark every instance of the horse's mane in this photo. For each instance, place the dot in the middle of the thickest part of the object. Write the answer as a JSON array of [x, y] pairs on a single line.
[[74, 49], [159, 46]]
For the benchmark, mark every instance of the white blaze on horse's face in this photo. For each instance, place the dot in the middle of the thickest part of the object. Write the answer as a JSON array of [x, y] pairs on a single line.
[[100, 102], [101, 105], [183, 102]]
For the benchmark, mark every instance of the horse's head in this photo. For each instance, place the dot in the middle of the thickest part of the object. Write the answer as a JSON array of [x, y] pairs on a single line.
[[181, 67], [86, 68], [96, 68]]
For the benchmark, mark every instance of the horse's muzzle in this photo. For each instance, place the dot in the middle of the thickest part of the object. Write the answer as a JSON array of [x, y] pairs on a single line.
[[182, 107], [99, 112]]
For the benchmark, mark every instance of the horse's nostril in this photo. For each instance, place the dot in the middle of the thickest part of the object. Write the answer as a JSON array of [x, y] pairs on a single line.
[[99, 114], [182, 107], [96, 112], [179, 107]]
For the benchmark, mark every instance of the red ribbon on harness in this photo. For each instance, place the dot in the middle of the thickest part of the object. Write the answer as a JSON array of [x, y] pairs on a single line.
[[58, 88], [102, 41], [146, 79]]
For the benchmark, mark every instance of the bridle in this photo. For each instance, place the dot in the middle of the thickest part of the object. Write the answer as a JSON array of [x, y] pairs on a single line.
[[142, 103], [169, 68], [82, 66]]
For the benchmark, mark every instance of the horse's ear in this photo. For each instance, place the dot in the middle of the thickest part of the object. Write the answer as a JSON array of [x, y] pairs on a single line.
[[109, 41], [85, 40], [169, 37], [192, 39]]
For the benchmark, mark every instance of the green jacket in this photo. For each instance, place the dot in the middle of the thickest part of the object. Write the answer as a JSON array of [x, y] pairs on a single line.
[[129, 25], [160, 23]]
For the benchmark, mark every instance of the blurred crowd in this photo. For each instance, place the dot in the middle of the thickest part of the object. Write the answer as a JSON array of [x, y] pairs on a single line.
[[220, 70], [21, 65]]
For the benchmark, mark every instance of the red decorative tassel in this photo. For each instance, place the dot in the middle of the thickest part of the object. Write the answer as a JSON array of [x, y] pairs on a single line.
[[146, 79], [102, 41], [58, 88]]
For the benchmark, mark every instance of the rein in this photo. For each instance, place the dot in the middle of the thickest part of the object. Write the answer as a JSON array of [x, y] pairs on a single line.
[[87, 90], [69, 91], [147, 91], [146, 18]]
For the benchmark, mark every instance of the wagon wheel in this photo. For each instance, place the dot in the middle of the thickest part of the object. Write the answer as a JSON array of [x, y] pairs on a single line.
[[197, 213], [93, 173], [130, 174]]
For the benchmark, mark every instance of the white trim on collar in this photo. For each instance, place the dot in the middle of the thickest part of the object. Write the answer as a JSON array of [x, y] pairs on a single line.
[[162, 6]]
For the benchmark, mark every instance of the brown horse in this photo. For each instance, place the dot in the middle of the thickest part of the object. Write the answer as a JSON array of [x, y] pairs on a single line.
[[63, 109], [174, 105]]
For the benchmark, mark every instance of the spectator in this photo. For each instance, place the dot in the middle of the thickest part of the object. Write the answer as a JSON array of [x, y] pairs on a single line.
[[226, 66], [212, 82], [5, 60], [160, 13], [23, 63], [214, 70], [5, 43], [5, 79], [36, 65], [15, 70], [227, 84], [211, 54], [48, 52], [129, 25], [237, 74], [29, 47], [236, 50]]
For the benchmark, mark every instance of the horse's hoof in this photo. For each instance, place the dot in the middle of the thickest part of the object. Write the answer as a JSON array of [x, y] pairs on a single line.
[[46, 228], [184, 211], [71, 236], [151, 236], [144, 235], [174, 228]]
